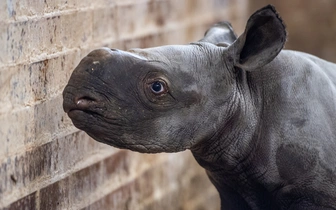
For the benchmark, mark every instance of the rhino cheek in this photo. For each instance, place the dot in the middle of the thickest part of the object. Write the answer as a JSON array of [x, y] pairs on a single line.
[[176, 131]]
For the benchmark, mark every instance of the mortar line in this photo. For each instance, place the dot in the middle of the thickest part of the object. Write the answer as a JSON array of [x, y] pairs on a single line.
[[46, 15]]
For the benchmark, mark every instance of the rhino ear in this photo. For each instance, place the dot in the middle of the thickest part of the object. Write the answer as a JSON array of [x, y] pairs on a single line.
[[221, 32], [262, 40]]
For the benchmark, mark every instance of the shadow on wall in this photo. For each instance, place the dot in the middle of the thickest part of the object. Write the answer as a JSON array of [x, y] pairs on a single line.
[[311, 24]]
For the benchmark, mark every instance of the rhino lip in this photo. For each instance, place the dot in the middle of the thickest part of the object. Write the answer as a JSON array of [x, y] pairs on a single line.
[[83, 104], [73, 112]]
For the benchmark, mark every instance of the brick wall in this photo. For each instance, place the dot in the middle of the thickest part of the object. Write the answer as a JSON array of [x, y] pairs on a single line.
[[46, 163]]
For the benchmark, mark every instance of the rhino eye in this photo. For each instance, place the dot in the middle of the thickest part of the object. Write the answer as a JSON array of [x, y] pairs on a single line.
[[158, 87]]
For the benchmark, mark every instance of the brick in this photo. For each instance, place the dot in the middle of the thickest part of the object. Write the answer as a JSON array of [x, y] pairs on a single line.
[[45, 36], [79, 25], [14, 80], [71, 189], [119, 199], [26, 203], [118, 164], [56, 5], [12, 7], [141, 42], [14, 39], [5, 11], [52, 196], [29, 8], [21, 171], [104, 24], [133, 25], [16, 128], [25, 8]]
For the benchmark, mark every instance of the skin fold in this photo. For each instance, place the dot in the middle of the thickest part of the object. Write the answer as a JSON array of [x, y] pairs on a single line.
[[259, 119]]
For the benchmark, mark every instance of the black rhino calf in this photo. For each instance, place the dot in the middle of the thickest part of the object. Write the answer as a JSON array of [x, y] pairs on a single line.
[[259, 119]]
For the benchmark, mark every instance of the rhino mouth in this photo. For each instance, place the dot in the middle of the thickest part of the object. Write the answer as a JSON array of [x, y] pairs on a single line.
[[73, 113], [81, 109]]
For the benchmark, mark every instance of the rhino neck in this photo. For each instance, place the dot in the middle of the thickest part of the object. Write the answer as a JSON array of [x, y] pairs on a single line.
[[236, 136], [230, 156], [232, 148]]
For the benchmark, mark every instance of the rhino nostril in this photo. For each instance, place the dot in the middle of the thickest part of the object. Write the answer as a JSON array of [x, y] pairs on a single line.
[[85, 102]]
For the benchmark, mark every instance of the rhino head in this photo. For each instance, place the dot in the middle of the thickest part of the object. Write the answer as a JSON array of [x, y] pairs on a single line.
[[170, 98]]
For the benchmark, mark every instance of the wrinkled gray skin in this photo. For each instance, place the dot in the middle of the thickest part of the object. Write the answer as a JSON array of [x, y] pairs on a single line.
[[259, 119]]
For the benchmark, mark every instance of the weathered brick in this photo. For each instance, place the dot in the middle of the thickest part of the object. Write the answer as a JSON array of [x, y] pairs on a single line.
[[5, 12], [15, 89], [104, 24], [77, 24], [45, 36], [15, 129], [117, 164], [19, 8], [74, 190], [20, 171], [14, 39], [57, 5], [158, 15], [52, 196], [50, 111], [26, 203]]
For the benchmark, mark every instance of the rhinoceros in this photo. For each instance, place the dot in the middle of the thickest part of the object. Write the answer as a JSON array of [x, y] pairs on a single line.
[[259, 119]]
